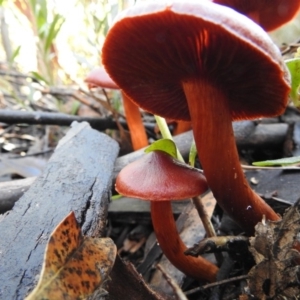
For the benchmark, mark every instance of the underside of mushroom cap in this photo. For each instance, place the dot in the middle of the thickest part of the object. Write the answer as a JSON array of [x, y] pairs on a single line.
[[99, 78], [152, 48], [158, 176]]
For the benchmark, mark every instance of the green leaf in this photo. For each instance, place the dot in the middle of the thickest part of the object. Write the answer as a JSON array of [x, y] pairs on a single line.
[[278, 162], [100, 24], [53, 30], [164, 145], [116, 197], [192, 154], [15, 54], [75, 107], [39, 77], [294, 68], [39, 11]]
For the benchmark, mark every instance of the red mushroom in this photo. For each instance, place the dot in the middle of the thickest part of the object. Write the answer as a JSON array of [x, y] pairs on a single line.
[[206, 63], [160, 178], [268, 14], [100, 78]]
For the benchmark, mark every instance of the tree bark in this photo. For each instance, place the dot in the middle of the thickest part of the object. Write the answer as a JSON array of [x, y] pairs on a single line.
[[77, 178]]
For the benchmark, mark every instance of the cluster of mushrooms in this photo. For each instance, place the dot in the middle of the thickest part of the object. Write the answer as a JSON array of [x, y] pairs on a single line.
[[203, 62]]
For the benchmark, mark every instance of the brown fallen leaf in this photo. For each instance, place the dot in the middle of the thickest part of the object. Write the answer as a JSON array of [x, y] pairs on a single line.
[[127, 284], [74, 265], [276, 275]]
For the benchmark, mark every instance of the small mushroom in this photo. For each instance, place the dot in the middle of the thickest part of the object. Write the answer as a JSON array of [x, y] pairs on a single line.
[[100, 78], [270, 15], [160, 178], [208, 64]]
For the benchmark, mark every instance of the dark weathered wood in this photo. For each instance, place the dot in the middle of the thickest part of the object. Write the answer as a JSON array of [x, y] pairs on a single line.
[[77, 178], [11, 191], [264, 135], [134, 211], [183, 142], [247, 134], [296, 139], [51, 118], [285, 183]]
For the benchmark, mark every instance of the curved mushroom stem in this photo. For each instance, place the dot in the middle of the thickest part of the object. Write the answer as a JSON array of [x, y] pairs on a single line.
[[173, 247], [211, 122], [100, 78], [135, 124]]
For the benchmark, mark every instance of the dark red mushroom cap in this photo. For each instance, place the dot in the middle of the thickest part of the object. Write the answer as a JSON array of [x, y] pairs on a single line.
[[159, 176], [269, 14], [99, 78], [152, 48]]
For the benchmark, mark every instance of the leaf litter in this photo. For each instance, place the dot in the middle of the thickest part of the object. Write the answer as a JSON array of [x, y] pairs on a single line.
[[275, 250], [74, 265]]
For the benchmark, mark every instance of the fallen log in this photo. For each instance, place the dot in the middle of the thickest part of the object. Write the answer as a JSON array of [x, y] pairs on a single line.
[[11, 191], [61, 119], [77, 178], [247, 134]]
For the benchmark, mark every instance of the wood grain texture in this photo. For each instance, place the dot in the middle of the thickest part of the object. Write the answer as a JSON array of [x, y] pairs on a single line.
[[77, 178]]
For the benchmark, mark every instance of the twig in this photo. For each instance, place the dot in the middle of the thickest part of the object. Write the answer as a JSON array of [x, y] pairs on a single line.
[[46, 118], [17, 74], [177, 290], [274, 198], [286, 168], [63, 92], [210, 285]]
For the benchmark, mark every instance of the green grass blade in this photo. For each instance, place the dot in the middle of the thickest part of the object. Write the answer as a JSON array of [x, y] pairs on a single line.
[[278, 162]]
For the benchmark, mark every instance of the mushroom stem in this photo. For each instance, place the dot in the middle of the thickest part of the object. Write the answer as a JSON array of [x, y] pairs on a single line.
[[173, 247], [135, 123], [211, 122], [100, 78]]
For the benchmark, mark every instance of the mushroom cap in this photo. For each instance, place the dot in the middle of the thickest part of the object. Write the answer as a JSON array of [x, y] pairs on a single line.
[[100, 78], [271, 14], [159, 176], [153, 47]]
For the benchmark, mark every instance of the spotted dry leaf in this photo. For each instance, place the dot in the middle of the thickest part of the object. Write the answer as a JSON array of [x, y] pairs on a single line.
[[276, 275], [74, 265]]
